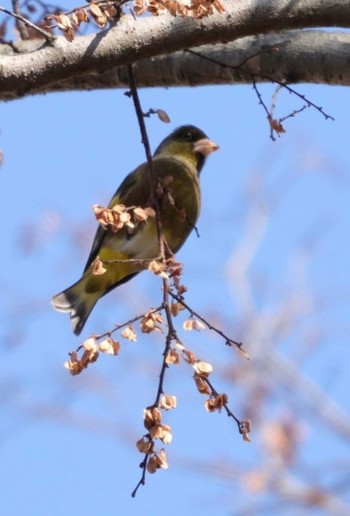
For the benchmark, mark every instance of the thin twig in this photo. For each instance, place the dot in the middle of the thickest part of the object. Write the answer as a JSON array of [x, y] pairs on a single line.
[[171, 334], [155, 203], [122, 325], [21, 27], [47, 35], [228, 340], [242, 425], [142, 480], [252, 76], [140, 117], [101, 3], [169, 339], [259, 53], [228, 410], [295, 112], [262, 103], [171, 330], [145, 142]]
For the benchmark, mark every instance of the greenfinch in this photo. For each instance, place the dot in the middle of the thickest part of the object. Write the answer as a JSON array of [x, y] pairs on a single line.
[[125, 250]]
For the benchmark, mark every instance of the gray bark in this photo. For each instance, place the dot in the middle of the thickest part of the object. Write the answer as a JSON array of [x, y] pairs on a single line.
[[247, 28]]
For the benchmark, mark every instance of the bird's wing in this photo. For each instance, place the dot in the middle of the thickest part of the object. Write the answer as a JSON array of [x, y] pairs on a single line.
[[133, 191]]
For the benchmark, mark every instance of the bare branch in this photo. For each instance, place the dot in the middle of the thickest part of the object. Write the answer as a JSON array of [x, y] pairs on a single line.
[[145, 141], [22, 19], [228, 340], [21, 27]]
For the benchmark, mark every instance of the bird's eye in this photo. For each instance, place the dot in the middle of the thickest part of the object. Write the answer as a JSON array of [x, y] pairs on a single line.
[[188, 136]]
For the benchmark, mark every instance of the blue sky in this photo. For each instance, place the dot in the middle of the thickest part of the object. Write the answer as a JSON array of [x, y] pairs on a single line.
[[68, 442]]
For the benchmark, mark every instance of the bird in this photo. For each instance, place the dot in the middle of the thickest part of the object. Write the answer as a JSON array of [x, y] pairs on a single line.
[[126, 250]]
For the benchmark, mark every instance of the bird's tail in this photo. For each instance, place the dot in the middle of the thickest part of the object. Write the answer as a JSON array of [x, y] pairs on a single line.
[[77, 302]]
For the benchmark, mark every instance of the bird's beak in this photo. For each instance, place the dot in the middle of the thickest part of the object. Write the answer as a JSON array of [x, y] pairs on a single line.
[[205, 146]]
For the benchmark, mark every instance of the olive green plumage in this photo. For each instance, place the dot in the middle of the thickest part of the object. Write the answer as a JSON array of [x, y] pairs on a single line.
[[179, 157]]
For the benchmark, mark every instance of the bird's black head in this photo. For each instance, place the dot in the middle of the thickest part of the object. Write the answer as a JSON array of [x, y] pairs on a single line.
[[188, 133], [182, 142]]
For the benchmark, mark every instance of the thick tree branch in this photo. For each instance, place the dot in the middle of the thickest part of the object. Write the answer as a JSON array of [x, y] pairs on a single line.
[[49, 64], [297, 56]]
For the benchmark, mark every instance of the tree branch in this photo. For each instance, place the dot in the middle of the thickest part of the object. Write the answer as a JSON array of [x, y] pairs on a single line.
[[51, 65], [21, 27]]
